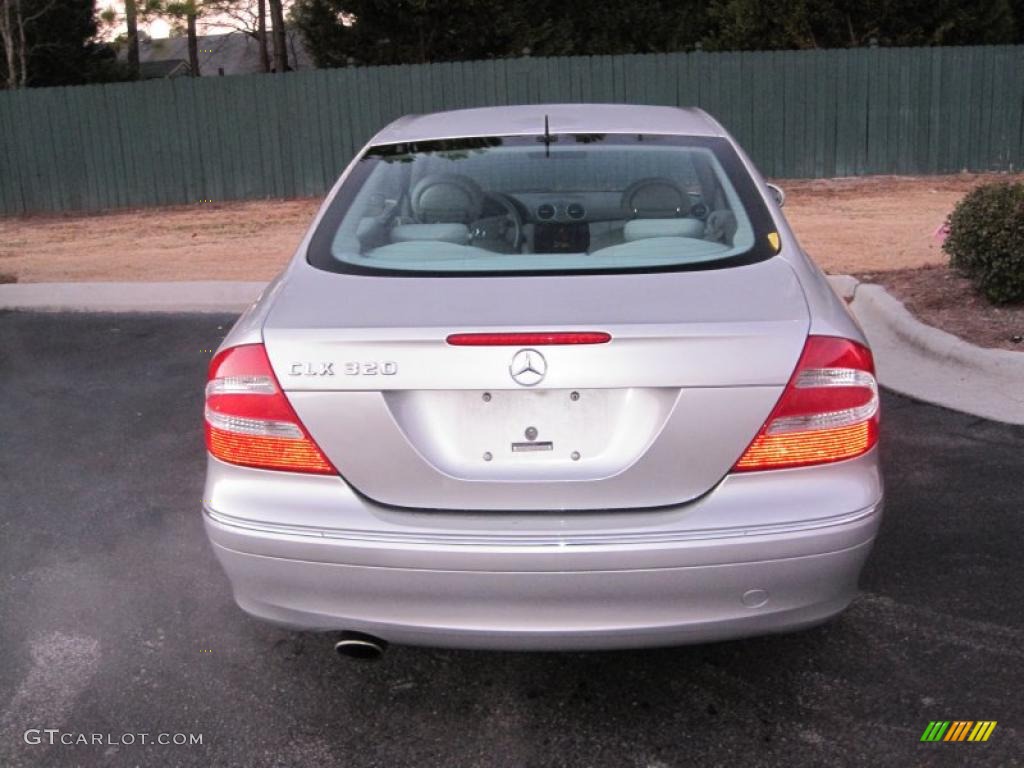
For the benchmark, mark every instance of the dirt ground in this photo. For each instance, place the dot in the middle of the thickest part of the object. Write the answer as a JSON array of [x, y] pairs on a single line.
[[230, 241], [876, 223], [848, 225]]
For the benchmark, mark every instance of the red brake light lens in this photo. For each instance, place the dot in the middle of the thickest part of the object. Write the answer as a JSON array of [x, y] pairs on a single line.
[[250, 422], [828, 411], [527, 339]]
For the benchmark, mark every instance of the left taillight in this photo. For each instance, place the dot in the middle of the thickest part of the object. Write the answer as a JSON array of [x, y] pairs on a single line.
[[828, 410], [250, 422]]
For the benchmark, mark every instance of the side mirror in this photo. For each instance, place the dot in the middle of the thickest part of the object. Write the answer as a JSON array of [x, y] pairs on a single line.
[[777, 194]]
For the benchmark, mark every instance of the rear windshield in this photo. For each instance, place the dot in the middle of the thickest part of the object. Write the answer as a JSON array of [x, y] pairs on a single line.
[[564, 203]]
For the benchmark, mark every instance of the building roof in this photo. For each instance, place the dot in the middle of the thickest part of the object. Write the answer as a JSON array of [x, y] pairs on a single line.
[[235, 52], [152, 70], [528, 120]]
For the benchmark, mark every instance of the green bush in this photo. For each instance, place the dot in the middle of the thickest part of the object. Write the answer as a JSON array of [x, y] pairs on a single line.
[[986, 240]]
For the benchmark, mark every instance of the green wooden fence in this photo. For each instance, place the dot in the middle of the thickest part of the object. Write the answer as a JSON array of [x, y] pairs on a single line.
[[798, 113]]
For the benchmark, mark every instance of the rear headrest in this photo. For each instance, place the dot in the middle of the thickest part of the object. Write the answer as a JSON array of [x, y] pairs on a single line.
[[721, 227], [443, 233], [641, 229]]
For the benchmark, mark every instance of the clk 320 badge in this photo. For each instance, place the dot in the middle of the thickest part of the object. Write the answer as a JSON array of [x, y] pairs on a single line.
[[311, 369], [382, 368], [349, 367]]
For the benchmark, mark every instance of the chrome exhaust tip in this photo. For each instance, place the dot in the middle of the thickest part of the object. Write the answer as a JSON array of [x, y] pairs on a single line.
[[356, 645]]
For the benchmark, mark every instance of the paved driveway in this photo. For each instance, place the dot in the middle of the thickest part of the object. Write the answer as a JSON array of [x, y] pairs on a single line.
[[115, 618]]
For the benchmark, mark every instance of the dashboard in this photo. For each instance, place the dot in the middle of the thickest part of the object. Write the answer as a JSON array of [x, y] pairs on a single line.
[[574, 222], [570, 208]]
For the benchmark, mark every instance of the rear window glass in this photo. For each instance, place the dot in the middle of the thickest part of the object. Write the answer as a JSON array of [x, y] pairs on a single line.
[[512, 205]]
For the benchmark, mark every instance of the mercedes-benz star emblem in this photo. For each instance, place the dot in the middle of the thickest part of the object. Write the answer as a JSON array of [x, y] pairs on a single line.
[[528, 367]]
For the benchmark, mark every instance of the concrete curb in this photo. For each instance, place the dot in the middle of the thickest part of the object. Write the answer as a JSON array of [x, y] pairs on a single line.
[[931, 365], [844, 285], [198, 296]]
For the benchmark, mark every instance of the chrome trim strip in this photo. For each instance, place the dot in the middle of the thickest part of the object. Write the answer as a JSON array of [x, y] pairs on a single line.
[[550, 540]]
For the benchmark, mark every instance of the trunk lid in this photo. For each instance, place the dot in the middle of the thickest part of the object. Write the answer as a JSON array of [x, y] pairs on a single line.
[[656, 416]]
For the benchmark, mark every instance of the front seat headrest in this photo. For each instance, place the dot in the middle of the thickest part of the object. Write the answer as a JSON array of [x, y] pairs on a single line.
[[446, 198]]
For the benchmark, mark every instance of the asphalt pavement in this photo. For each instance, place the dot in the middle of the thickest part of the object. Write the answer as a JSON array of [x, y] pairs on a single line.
[[115, 619]]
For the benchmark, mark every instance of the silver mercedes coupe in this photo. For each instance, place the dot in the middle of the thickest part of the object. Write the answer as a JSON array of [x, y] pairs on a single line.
[[545, 377]]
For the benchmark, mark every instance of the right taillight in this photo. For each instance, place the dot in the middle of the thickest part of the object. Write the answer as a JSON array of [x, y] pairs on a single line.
[[828, 411], [250, 422]]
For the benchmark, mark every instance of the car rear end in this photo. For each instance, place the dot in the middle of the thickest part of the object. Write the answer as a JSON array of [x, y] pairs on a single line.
[[578, 459]]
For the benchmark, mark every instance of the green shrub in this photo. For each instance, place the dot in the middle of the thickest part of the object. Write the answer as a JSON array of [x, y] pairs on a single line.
[[986, 240]]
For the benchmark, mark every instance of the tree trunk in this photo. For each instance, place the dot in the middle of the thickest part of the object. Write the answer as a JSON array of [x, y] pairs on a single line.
[[131, 19], [280, 44], [193, 46], [7, 38], [261, 35], [22, 46]]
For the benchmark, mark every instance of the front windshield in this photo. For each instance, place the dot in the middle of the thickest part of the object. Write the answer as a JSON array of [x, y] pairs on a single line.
[[556, 204]]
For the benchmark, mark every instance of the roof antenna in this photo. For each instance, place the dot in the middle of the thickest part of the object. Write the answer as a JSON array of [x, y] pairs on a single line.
[[547, 138]]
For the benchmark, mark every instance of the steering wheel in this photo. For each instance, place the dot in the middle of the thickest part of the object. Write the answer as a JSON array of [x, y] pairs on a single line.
[[507, 226]]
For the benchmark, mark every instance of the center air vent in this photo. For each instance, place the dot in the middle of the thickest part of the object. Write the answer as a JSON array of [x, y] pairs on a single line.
[[546, 211], [576, 211]]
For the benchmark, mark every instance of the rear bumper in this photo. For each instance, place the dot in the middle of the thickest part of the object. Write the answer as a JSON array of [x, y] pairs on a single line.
[[569, 593]]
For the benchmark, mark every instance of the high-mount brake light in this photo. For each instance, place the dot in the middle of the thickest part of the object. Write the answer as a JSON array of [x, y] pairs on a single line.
[[250, 422], [530, 339], [828, 411]]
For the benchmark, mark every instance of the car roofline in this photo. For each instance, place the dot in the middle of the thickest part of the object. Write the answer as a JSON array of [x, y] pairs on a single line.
[[529, 120]]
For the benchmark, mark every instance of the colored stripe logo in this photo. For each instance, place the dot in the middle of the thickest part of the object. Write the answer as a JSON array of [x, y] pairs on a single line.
[[958, 730]]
